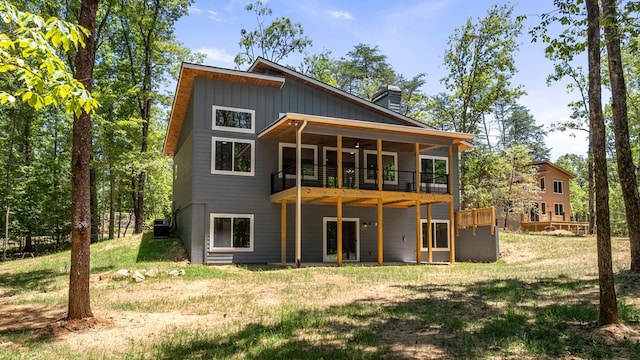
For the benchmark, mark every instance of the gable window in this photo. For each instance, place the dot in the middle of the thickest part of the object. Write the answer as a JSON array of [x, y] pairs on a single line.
[[434, 170], [558, 209], [439, 235], [557, 187], [542, 185], [233, 119], [231, 232], [232, 156], [287, 160], [389, 167]]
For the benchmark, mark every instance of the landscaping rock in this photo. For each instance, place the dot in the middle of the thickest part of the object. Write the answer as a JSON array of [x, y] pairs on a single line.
[[153, 272], [121, 274], [137, 276], [177, 272]]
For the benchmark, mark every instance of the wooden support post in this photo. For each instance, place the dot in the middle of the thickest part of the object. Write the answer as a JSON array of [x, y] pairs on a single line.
[[416, 179], [429, 235], [458, 217], [283, 232], [418, 234], [380, 232], [339, 154], [339, 230], [493, 220], [452, 235], [452, 224], [379, 172], [474, 218]]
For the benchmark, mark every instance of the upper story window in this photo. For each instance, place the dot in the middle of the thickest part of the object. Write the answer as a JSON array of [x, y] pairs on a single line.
[[389, 167], [232, 156], [542, 184], [233, 119], [309, 160], [434, 170], [557, 186]]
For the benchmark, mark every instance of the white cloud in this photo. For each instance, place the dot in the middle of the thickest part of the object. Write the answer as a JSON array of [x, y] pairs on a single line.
[[194, 10], [216, 57], [342, 15], [213, 15]]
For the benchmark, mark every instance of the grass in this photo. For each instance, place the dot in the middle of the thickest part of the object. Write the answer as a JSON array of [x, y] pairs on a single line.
[[539, 301]]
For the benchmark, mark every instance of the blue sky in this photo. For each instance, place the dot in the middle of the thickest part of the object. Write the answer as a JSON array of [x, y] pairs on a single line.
[[412, 34]]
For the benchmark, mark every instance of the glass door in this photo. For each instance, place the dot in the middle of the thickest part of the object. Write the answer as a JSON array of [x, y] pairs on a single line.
[[350, 239], [349, 168]]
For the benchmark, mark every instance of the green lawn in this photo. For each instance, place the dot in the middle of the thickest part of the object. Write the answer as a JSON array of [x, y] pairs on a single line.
[[538, 301]]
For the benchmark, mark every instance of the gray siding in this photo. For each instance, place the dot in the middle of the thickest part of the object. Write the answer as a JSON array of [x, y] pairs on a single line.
[[198, 193], [482, 246]]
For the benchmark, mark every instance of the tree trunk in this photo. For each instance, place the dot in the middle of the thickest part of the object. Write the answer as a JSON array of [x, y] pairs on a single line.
[[591, 192], [608, 302], [626, 168], [95, 214], [79, 301], [112, 203]]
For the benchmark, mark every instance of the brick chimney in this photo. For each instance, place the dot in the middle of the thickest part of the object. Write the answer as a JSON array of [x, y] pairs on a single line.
[[388, 97]]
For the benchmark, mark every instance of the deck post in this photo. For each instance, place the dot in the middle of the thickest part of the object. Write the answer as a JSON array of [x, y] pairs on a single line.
[[429, 235], [339, 230], [418, 234], [379, 172], [283, 232], [452, 233], [416, 177], [299, 129], [339, 154], [380, 232]]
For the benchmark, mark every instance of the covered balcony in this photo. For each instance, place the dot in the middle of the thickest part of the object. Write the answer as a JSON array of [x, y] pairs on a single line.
[[363, 164]]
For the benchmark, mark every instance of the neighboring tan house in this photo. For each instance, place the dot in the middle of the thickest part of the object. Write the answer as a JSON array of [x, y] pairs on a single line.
[[553, 209], [272, 166]]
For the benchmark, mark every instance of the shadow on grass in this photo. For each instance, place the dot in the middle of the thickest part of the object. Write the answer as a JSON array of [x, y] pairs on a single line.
[[150, 250], [549, 318]]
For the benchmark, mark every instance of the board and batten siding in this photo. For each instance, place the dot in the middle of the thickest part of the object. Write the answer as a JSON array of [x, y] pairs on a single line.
[[236, 194]]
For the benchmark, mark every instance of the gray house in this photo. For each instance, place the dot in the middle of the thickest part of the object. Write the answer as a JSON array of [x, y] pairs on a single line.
[[272, 166]]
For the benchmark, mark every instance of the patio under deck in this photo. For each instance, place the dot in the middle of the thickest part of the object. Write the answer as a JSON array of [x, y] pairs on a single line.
[[377, 185]]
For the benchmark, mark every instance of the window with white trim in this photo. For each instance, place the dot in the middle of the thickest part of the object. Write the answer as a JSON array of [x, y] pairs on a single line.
[[434, 170], [542, 184], [557, 186], [232, 156], [558, 209], [543, 208], [233, 119], [439, 235], [389, 167], [231, 232], [287, 160]]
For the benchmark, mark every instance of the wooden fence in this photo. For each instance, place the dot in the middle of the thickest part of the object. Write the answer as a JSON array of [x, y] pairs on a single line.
[[476, 217]]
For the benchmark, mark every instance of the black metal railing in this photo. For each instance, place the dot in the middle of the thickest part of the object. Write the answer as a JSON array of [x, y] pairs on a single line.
[[360, 178]]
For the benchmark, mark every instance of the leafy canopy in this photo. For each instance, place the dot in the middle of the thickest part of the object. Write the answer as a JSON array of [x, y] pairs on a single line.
[[29, 53]]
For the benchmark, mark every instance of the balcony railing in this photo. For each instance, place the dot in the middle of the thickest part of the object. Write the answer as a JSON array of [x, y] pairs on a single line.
[[359, 178]]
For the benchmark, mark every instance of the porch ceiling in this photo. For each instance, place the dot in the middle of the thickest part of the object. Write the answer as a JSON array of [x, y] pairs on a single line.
[[323, 130], [351, 197]]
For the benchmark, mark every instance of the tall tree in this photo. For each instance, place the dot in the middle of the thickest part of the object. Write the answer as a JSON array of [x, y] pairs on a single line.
[[480, 64], [626, 168], [150, 52], [608, 313], [363, 71], [274, 41], [562, 49], [519, 127], [79, 300]]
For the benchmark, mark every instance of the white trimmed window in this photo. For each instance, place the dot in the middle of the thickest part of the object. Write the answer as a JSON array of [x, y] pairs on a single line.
[[439, 235], [557, 186], [231, 232], [389, 167], [233, 119], [232, 156], [543, 208], [287, 160], [434, 170], [542, 184], [558, 209]]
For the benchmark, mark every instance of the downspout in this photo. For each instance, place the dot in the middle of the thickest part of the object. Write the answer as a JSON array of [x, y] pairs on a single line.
[[299, 129]]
